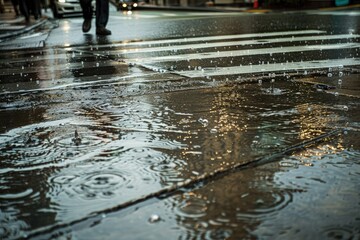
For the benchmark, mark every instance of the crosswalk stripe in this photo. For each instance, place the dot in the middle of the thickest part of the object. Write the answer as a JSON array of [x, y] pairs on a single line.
[[76, 61], [210, 38], [234, 43], [238, 53], [274, 67]]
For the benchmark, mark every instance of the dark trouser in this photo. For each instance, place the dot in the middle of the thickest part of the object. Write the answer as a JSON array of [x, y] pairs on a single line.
[[102, 11], [15, 4], [30, 6], [23, 6]]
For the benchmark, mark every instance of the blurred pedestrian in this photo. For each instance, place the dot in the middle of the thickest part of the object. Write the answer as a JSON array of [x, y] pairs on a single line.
[[28, 7], [24, 9], [15, 4], [102, 16], [2, 6]]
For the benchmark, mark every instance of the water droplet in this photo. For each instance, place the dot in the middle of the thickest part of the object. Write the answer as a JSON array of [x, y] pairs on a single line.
[[345, 108], [260, 82], [336, 94], [339, 81], [97, 64], [203, 121], [154, 218], [195, 173], [213, 130], [341, 74], [329, 75]]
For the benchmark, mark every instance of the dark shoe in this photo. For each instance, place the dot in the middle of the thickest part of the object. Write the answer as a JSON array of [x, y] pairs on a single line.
[[102, 31], [86, 25]]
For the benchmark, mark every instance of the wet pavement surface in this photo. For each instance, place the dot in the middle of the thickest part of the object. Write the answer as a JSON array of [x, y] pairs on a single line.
[[239, 133]]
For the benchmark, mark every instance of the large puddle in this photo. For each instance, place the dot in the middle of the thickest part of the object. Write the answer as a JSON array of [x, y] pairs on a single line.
[[91, 159]]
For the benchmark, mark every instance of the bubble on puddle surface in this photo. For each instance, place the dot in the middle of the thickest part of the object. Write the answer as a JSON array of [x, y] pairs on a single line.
[[345, 108], [154, 218], [329, 74], [260, 82], [213, 130], [203, 121], [339, 81], [97, 64], [341, 74]]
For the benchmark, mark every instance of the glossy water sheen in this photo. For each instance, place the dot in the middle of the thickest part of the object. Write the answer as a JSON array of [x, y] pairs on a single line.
[[72, 154]]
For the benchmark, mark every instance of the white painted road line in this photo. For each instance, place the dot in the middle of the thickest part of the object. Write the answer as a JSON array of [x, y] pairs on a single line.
[[238, 53], [235, 43], [291, 66], [210, 38]]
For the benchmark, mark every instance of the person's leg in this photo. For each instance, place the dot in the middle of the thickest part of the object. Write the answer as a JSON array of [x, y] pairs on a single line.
[[24, 10], [102, 17], [15, 4], [34, 5], [87, 14], [86, 9]]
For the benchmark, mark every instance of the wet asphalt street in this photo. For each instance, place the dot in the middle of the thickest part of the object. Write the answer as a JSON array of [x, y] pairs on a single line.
[[183, 125]]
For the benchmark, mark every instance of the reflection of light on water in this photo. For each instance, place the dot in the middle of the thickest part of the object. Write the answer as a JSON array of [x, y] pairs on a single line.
[[312, 120], [66, 26]]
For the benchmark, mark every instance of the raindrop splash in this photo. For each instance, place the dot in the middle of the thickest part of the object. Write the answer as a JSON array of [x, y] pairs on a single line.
[[340, 83]]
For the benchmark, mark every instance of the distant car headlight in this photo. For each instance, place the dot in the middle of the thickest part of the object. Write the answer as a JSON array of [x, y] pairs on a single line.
[[135, 5], [124, 5]]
